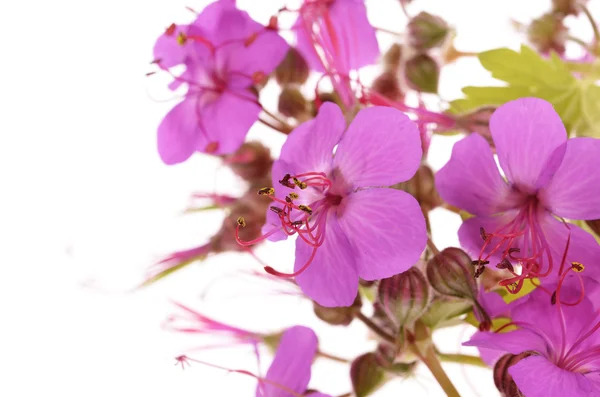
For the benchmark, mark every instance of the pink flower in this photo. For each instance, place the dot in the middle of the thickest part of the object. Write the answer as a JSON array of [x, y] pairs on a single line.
[[562, 342], [547, 176], [348, 224], [224, 53]]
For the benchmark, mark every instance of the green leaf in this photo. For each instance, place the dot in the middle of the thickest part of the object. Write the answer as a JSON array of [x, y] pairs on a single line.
[[526, 73]]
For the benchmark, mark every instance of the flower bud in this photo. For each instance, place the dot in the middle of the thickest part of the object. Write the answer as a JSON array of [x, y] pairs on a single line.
[[422, 187], [404, 297], [566, 7], [504, 382], [478, 121], [292, 103], [251, 162], [427, 31], [388, 85], [594, 225], [451, 273], [293, 69], [337, 315], [422, 73], [392, 57], [366, 375], [548, 33]]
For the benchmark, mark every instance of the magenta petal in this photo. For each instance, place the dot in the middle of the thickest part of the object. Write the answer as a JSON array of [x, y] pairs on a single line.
[[292, 363], [262, 56], [526, 133], [331, 279], [513, 342], [178, 133], [537, 377], [226, 121], [168, 52], [574, 191], [381, 147], [223, 22], [310, 146], [317, 394], [345, 35], [583, 247], [386, 229], [471, 180]]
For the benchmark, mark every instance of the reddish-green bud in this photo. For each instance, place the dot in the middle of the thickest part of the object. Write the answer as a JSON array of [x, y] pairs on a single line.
[[366, 375], [451, 273], [567, 7], [392, 58], [292, 103], [422, 73], [388, 85], [422, 187], [404, 297], [547, 33], [337, 315], [427, 31], [293, 69], [251, 162], [502, 379]]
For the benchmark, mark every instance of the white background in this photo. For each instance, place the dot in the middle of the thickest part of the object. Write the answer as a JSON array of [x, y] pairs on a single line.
[[86, 205]]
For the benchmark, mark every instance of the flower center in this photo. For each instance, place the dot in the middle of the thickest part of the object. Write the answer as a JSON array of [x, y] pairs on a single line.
[[308, 220], [522, 246]]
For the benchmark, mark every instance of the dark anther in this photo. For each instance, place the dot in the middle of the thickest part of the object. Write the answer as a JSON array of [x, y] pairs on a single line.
[[297, 223], [479, 262], [276, 210], [505, 264], [483, 234], [553, 298], [286, 181], [479, 271], [288, 199]]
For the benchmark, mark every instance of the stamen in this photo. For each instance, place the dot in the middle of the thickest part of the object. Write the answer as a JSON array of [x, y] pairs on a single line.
[[266, 191]]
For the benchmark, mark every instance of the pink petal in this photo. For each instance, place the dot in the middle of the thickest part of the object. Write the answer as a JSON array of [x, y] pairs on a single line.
[[178, 133], [262, 56], [583, 247], [309, 148], [292, 363], [526, 133], [537, 377], [168, 52], [381, 147], [223, 22], [513, 342], [386, 229], [226, 121], [574, 191], [471, 180], [345, 35], [331, 279]]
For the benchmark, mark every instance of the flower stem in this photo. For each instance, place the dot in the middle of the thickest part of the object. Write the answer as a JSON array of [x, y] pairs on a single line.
[[462, 359], [281, 128], [332, 357], [589, 16], [375, 328], [435, 367], [432, 246]]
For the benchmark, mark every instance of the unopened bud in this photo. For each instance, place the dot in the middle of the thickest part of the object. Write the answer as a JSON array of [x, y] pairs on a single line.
[[404, 297], [388, 85], [337, 315], [293, 69], [478, 122], [392, 58], [547, 33], [251, 162], [502, 379], [422, 187], [422, 73], [451, 273], [567, 7], [292, 103], [427, 31], [594, 225], [366, 375]]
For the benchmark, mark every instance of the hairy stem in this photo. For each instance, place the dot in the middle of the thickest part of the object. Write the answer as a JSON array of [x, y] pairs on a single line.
[[375, 328], [332, 357], [435, 367], [462, 359]]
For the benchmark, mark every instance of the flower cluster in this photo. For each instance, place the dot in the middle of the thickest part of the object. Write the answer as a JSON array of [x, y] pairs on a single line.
[[352, 184]]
